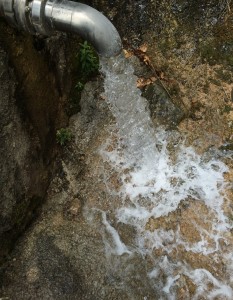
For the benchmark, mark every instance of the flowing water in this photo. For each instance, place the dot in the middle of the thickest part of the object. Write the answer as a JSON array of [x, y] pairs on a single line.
[[168, 199]]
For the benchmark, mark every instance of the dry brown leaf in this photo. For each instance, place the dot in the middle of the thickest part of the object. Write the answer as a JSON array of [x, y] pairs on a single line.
[[142, 82], [143, 48], [146, 60], [161, 75], [127, 53], [102, 97], [153, 79]]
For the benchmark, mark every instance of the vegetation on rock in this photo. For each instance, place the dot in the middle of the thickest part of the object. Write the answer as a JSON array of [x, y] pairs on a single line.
[[63, 136]]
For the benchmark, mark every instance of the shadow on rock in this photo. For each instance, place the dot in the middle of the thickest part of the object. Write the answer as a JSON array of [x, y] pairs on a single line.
[[57, 270]]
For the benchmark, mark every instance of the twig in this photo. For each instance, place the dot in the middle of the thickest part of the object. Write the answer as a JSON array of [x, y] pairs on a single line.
[[228, 6]]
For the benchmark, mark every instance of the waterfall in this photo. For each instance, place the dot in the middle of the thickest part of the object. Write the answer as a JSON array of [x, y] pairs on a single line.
[[159, 176]]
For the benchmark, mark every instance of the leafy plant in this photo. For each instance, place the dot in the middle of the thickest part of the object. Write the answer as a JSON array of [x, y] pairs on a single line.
[[88, 60], [79, 86], [63, 136]]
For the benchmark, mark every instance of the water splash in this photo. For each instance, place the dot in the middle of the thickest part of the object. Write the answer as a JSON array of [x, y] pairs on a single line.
[[157, 174]]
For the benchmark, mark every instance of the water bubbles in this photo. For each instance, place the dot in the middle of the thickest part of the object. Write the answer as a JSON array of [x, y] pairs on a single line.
[[162, 179]]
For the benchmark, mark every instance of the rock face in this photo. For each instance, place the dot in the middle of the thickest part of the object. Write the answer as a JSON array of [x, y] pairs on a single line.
[[29, 115], [32, 91], [58, 252], [23, 176]]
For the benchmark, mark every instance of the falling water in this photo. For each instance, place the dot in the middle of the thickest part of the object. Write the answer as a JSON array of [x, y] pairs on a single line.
[[158, 175]]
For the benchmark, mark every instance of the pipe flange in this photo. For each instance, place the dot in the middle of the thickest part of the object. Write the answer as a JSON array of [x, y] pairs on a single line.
[[38, 17], [22, 9]]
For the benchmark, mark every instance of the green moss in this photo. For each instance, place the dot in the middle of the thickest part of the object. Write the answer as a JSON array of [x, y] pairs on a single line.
[[214, 81], [224, 75], [174, 89], [226, 109], [214, 52], [230, 217], [208, 51], [167, 44], [227, 147]]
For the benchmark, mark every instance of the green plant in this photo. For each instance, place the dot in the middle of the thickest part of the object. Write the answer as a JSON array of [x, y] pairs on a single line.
[[88, 59], [79, 86], [63, 136]]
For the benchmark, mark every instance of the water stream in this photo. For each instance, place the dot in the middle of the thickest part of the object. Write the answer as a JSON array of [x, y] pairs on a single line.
[[169, 200]]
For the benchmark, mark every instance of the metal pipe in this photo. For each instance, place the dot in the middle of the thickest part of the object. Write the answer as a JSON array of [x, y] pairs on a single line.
[[48, 16]]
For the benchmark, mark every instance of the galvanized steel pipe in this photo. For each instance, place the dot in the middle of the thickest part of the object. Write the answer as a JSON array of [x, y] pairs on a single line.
[[48, 16]]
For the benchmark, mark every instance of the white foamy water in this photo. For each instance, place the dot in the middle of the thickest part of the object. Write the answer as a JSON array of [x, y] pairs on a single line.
[[157, 173]]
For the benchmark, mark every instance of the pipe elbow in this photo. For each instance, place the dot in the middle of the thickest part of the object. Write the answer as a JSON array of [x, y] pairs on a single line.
[[92, 25], [47, 16]]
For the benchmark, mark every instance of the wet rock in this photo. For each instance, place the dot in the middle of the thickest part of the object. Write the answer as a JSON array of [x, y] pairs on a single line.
[[23, 175], [57, 60], [163, 110]]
